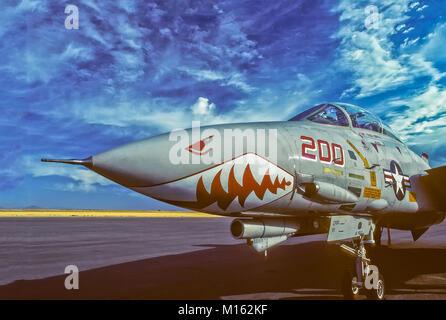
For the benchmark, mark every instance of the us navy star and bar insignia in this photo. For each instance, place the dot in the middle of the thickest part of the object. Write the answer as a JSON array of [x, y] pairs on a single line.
[[396, 178]]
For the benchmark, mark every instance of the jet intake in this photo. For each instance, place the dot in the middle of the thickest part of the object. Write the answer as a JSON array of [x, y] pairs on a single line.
[[263, 228], [262, 234], [327, 192]]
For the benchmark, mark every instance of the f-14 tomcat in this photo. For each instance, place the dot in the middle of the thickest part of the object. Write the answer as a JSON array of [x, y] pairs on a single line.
[[334, 168]]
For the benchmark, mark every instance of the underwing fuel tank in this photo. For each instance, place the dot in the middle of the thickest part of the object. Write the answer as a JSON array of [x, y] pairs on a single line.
[[262, 244]]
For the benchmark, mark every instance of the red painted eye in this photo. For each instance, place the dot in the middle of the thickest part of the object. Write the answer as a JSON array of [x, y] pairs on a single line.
[[197, 147]]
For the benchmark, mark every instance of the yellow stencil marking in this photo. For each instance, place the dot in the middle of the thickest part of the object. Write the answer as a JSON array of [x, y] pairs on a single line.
[[372, 193], [356, 176], [329, 170], [373, 178], [412, 197], [366, 163]]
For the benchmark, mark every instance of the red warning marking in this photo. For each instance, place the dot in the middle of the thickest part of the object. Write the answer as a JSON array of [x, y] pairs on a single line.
[[197, 147]]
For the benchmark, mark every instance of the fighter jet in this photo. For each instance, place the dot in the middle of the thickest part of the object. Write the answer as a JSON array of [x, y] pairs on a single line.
[[335, 168]]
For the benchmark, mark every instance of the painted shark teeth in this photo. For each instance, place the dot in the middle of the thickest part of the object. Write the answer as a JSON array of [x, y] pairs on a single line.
[[255, 182]]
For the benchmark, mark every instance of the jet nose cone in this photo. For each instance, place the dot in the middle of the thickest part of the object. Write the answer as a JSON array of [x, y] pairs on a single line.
[[138, 164]]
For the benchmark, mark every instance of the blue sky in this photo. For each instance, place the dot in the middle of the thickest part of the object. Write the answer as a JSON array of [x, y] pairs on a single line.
[[138, 68]]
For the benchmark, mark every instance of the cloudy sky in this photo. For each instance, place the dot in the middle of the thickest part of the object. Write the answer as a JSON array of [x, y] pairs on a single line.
[[138, 68]]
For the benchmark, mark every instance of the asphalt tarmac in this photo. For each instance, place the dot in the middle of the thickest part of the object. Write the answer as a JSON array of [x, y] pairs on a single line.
[[196, 258]]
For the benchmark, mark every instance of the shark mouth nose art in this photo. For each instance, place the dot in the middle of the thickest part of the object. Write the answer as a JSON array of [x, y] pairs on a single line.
[[240, 184]]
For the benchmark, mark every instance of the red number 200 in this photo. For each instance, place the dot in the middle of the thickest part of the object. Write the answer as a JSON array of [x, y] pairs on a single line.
[[326, 154]]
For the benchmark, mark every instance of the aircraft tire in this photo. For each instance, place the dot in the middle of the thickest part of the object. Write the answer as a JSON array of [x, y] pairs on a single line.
[[379, 293], [349, 289]]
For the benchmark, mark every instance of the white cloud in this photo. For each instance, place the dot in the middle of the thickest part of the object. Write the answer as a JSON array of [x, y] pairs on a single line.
[[161, 114], [379, 65], [153, 113], [375, 70], [232, 78], [422, 114], [204, 75], [414, 4], [168, 114], [83, 179], [408, 43], [399, 27], [237, 80], [371, 56], [422, 124], [202, 107], [80, 53], [435, 48]]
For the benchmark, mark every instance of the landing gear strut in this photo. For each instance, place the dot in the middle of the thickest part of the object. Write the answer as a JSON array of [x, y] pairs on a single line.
[[363, 276], [377, 234]]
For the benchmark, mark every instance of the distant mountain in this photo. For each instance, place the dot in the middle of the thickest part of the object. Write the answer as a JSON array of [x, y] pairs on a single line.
[[32, 207]]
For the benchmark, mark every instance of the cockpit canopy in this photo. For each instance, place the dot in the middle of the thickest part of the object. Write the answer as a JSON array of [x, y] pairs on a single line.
[[345, 115]]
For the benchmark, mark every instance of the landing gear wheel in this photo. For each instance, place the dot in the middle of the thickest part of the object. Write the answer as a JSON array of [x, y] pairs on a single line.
[[379, 292], [350, 287]]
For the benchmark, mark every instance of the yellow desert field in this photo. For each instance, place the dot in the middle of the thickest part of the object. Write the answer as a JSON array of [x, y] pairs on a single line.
[[101, 213]]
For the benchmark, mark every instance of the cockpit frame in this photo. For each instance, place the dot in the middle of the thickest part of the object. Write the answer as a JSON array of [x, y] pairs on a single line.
[[356, 117]]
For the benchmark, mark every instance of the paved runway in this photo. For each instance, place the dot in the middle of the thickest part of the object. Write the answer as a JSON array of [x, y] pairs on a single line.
[[196, 258]]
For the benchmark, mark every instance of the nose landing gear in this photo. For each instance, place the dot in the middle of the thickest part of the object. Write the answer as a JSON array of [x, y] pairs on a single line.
[[362, 276]]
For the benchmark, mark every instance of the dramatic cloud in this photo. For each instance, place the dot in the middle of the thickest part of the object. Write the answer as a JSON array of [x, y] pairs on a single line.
[[202, 107], [372, 54], [399, 67]]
